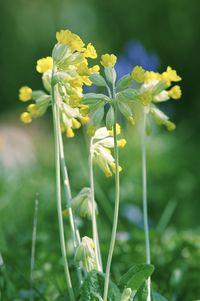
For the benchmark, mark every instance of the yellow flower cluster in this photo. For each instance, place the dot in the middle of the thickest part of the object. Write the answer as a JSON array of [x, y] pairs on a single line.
[[72, 71]]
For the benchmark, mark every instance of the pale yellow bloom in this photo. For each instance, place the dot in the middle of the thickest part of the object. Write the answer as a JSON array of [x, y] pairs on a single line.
[[26, 117], [138, 74], [90, 51], [108, 60], [44, 64], [25, 93], [121, 143], [175, 92], [69, 133], [75, 124]]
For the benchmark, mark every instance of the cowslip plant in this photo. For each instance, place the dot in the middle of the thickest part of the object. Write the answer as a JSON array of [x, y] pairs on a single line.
[[64, 74]]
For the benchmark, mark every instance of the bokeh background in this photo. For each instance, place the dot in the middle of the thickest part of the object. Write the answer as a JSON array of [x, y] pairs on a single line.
[[153, 34]]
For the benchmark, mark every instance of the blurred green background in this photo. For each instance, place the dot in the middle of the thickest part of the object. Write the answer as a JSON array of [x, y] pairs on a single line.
[[157, 32]]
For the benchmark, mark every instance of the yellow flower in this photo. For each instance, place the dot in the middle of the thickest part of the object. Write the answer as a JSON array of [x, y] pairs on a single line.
[[91, 130], [84, 110], [25, 93], [74, 100], [90, 51], [44, 64], [84, 119], [170, 75], [118, 130], [145, 98], [64, 36], [151, 75], [75, 124], [138, 74], [113, 166], [121, 143], [33, 110], [175, 92], [69, 133], [76, 43], [83, 68], [86, 80], [26, 117], [170, 125], [94, 69], [108, 60]]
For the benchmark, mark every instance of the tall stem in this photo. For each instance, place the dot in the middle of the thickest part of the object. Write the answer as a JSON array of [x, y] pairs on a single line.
[[59, 203], [144, 198], [116, 212], [34, 235], [94, 221]]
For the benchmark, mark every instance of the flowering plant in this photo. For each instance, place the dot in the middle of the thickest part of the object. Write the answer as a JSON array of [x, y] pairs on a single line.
[[64, 75]]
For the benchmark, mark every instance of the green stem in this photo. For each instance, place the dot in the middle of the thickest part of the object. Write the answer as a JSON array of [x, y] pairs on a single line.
[[59, 203], [116, 212], [68, 196], [94, 221], [144, 198], [34, 235]]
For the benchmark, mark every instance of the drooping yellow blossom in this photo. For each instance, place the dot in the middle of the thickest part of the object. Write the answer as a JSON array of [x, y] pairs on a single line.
[[94, 69], [84, 109], [145, 98], [170, 126], [66, 37], [69, 133], [25, 93], [113, 167], [170, 75], [75, 124], [90, 51], [44, 64], [33, 110], [118, 130], [121, 143], [84, 119], [86, 80], [25, 117], [138, 74], [108, 60], [151, 75], [175, 92]]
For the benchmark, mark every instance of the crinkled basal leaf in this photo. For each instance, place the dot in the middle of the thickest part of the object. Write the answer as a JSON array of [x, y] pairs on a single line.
[[98, 115], [123, 83], [110, 74], [157, 297], [127, 95], [93, 286], [124, 109], [90, 98], [110, 118], [136, 275], [98, 80]]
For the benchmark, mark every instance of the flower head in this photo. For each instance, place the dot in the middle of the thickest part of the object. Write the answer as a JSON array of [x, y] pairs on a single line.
[[101, 145], [108, 60], [25, 93], [138, 74], [26, 117]]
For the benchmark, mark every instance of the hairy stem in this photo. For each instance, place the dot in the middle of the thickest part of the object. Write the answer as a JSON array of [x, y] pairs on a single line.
[[144, 198], [116, 212], [59, 203], [94, 221]]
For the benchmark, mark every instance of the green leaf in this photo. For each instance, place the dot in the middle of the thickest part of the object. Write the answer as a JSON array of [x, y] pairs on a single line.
[[98, 80], [93, 286], [136, 275], [98, 115], [157, 297], [110, 118], [91, 98], [124, 109], [123, 83], [110, 74], [127, 95], [142, 293]]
